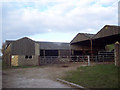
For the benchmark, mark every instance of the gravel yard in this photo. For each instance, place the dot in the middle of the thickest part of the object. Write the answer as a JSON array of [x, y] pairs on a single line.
[[37, 77]]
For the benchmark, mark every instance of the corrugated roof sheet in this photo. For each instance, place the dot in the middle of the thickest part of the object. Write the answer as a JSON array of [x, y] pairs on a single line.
[[11, 41], [88, 35], [107, 30], [48, 45], [8, 42], [54, 45], [82, 37]]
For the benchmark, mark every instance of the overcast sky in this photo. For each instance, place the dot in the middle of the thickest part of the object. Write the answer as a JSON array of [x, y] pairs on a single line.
[[56, 20]]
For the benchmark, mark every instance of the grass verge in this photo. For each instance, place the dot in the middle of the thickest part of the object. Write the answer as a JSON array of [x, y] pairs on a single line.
[[99, 76]]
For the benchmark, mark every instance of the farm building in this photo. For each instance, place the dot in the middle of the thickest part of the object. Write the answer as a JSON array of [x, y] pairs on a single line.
[[54, 49], [27, 52], [80, 45], [85, 44]]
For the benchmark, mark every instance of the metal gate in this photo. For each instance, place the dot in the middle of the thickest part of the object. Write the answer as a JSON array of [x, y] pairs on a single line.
[[43, 60], [101, 57], [49, 60], [105, 56]]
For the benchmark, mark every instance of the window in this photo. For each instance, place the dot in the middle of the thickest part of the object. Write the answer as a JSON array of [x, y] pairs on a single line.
[[26, 57], [30, 57]]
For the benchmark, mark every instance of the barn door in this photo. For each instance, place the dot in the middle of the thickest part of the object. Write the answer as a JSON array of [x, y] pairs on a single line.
[[14, 60]]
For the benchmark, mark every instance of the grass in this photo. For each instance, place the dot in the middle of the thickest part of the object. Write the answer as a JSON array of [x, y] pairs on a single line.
[[99, 76]]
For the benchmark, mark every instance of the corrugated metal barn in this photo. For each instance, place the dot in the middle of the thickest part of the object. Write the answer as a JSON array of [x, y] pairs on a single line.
[[80, 45], [54, 49], [27, 52], [85, 44]]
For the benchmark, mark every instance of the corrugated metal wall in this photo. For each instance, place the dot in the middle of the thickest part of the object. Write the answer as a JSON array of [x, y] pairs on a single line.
[[23, 47], [64, 52]]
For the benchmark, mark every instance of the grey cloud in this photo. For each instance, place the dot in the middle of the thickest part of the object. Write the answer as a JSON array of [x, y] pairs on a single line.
[[24, 22]]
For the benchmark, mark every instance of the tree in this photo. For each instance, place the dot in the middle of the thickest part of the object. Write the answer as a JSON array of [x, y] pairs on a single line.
[[3, 51]]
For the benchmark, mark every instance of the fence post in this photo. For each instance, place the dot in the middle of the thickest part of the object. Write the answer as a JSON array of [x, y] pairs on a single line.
[[77, 58], [117, 54], [88, 60], [95, 58]]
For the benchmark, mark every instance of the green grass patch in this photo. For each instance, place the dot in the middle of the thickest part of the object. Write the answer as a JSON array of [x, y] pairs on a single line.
[[99, 76]]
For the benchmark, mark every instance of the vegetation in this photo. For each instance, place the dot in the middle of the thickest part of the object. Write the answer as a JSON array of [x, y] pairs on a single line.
[[110, 47], [99, 76], [3, 51]]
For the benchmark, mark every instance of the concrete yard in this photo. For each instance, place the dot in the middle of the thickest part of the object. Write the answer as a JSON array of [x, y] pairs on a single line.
[[37, 77]]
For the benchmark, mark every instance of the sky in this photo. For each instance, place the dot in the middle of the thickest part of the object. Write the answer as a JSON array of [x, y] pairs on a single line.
[[55, 20]]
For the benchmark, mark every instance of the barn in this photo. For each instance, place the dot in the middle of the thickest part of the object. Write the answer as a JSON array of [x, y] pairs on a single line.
[[25, 51], [87, 44], [80, 45], [54, 49]]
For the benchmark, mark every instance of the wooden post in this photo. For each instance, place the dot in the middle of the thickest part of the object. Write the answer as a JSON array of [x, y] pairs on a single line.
[[10, 59], [117, 54], [91, 45], [44, 53], [72, 52], [59, 54]]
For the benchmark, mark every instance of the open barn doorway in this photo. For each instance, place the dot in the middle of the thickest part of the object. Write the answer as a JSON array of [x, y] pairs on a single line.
[[48, 57], [49, 53]]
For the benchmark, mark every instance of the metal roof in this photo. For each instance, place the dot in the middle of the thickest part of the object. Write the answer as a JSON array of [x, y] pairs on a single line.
[[54, 45], [108, 32], [9, 41], [82, 37], [46, 45]]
